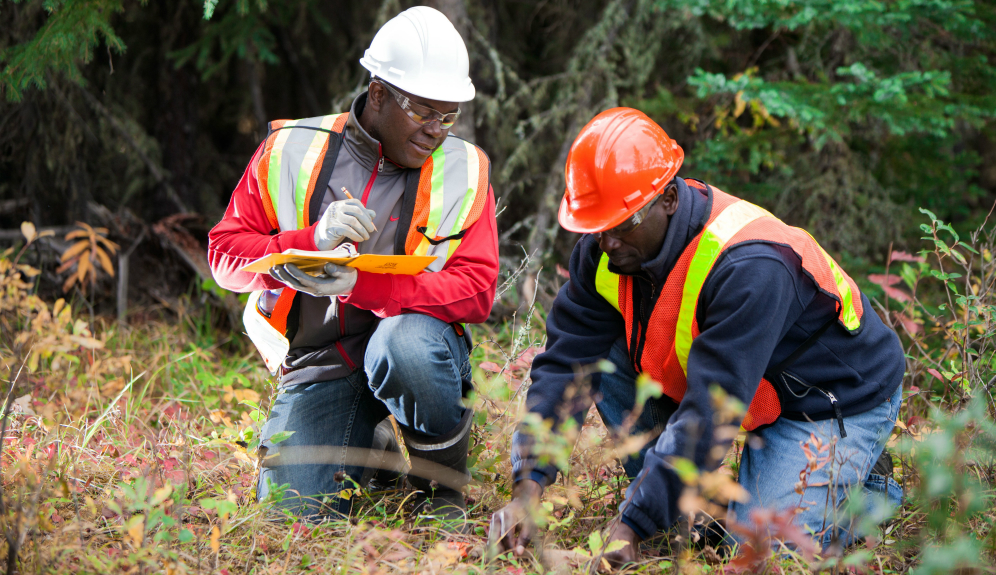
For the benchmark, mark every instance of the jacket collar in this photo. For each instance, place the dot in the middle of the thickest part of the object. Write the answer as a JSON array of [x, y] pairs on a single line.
[[684, 225], [362, 147]]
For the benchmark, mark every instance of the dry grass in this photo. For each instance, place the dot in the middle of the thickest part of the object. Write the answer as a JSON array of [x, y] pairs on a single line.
[[144, 430]]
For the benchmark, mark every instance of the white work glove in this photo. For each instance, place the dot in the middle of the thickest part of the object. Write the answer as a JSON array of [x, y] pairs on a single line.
[[337, 280], [344, 219]]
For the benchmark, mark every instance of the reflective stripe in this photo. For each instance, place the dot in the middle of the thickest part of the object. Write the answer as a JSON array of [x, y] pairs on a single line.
[[312, 156], [848, 315], [711, 243], [273, 175], [469, 196], [607, 283]]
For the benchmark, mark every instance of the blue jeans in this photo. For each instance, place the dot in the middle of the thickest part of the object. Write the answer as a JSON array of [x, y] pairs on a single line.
[[769, 473], [415, 369]]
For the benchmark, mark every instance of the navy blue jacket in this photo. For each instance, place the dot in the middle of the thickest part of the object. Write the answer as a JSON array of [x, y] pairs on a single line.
[[756, 308]]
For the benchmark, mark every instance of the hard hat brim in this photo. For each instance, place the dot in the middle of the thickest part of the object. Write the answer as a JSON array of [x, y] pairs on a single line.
[[592, 225]]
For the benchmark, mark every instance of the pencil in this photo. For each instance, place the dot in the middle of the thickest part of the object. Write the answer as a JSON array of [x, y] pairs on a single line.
[[350, 196]]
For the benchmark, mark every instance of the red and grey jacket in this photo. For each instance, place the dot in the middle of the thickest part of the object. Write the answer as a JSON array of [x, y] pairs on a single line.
[[446, 209], [735, 298]]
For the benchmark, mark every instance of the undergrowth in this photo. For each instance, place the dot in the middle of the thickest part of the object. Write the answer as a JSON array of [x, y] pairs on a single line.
[[124, 449]]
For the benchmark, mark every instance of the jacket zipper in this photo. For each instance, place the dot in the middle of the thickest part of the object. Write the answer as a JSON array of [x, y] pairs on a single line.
[[341, 309], [373, 174], [836, 410], [834, 403]]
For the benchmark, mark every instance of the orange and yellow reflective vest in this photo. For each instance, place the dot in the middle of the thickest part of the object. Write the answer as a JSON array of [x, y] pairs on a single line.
[[673, 325], [448, 197]]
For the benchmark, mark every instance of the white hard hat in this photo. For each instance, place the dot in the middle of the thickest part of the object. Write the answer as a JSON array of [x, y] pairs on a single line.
[[421, 52]]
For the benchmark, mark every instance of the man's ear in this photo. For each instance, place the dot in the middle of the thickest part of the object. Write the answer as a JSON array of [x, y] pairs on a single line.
[[375, 96], [670, 199]]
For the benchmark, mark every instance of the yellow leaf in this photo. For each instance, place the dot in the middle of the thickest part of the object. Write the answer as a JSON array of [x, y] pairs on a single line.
[[83, 267], [105, 262], [111, 246], [900, 425], [246, 394], [68, 283], [215, 539], [75, 249], [28, 230], [739, 104], [137, 531], [28, 270], [162, 494]]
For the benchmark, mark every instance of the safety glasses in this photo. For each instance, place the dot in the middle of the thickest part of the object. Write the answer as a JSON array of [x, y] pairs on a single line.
[[422, 114], [629, 226]]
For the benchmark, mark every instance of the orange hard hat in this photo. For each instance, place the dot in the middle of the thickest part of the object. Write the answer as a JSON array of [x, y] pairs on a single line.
[[617, 164]]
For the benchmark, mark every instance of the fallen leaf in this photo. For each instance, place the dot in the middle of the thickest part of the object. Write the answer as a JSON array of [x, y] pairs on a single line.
[[215, 539]]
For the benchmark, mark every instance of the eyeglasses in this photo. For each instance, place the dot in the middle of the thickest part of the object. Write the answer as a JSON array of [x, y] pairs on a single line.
[[629, 226], [422, 114]]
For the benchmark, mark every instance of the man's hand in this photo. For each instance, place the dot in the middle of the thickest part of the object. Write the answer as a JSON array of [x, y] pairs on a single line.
[[337, 280], [512, 526], [629, 553], [344, 219]]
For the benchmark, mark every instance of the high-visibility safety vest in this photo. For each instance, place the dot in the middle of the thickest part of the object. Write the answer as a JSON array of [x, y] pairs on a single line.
[[673, 325], [438, 206]]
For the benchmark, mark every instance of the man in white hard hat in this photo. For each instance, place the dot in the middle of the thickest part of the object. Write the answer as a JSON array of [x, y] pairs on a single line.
[[351, 347]]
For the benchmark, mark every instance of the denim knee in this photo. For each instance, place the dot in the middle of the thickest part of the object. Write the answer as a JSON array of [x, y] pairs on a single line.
[[416, 365]]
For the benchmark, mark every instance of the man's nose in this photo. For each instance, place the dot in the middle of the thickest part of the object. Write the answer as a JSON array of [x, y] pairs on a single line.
[[608, 243], [434, 128]]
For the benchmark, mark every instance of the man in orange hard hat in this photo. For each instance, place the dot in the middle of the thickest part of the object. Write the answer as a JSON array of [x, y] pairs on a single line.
[[696, 288]]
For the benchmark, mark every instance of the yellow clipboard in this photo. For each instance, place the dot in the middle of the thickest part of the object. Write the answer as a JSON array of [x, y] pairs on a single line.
[[313, 262]]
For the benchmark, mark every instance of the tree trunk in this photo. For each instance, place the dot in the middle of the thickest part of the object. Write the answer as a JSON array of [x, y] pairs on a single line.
[[456, 11]]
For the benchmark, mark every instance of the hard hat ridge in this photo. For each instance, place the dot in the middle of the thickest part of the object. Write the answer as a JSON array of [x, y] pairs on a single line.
[[420, 52]]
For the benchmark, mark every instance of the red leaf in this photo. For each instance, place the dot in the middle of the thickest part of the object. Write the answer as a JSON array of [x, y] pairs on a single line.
[[562, 272], [935, 373], [896, 294], [490, 366], [884, 280], [908, 323], [906, 257]]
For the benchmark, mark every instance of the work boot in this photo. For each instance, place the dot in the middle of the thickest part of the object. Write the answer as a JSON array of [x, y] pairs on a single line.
[[385, 465], [439, 471], [883, 466]]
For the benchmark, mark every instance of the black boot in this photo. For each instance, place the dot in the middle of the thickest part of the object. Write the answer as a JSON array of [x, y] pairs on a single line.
[[883, 466], [439, 471], [385, 465]]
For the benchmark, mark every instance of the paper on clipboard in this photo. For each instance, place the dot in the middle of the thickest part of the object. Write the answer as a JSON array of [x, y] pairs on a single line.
[[345, 255]]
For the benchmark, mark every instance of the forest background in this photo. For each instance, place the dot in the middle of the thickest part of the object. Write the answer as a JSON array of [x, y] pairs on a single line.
[[872, 124]]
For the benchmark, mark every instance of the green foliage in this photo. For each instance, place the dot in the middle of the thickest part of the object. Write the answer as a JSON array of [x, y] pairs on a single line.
[[949, 492], [72, 31], [841, 104]]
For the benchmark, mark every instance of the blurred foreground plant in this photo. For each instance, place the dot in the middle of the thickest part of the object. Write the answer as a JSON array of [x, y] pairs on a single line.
[[949, 318]]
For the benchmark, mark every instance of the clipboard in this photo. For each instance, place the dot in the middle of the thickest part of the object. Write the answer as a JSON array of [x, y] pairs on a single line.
[[313, 262]]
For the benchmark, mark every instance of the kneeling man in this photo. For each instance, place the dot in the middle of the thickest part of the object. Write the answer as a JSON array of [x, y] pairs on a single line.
[[353, 347], [695, 287]]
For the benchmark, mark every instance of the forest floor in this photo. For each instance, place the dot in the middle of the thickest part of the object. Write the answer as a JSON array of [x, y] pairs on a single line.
[[126, 459]]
